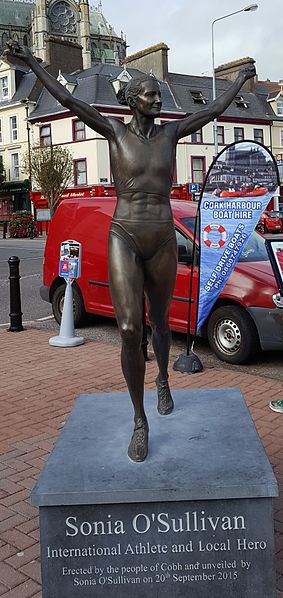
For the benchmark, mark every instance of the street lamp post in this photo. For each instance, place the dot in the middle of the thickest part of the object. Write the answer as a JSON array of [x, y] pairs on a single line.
[[39, 125], [249, 8], [26, 103]]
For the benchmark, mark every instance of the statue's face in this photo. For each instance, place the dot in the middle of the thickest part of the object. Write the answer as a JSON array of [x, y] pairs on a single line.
[[148, 102]]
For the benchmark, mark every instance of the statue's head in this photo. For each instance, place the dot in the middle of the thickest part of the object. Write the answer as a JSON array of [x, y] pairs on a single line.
[[142, 94]]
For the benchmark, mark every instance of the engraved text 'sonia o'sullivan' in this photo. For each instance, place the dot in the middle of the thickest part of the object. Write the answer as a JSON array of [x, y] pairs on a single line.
[[160, 522]]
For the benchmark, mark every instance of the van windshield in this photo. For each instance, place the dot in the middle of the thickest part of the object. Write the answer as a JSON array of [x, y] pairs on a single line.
[[254, 251]]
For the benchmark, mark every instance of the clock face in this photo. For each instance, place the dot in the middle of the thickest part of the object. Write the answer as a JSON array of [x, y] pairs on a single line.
[[62, 17]]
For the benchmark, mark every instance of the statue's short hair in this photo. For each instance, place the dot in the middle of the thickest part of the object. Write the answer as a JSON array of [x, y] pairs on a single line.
[[128, 94]]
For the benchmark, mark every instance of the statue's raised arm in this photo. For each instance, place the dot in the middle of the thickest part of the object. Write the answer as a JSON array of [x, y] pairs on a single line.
[[194, 122], [17, 54]]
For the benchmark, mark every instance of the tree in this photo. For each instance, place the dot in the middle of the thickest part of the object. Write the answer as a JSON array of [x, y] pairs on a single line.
[[51, 169]]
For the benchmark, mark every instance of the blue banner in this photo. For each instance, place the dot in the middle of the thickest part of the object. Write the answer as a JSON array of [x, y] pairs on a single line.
[[238, 188]]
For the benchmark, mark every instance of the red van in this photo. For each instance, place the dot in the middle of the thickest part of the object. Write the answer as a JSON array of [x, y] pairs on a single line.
[[243, 320]]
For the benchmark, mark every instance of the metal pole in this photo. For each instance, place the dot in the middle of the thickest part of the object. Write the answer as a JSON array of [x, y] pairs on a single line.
[[249, 8], [15, 295], [215, 136], [52, 165], [26, 103], [28, 138]]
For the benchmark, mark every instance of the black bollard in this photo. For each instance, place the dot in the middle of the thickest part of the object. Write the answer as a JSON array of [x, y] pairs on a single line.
[[15, 295]]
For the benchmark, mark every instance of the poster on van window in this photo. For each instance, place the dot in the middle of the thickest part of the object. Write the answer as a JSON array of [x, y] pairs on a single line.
[[239, 185]]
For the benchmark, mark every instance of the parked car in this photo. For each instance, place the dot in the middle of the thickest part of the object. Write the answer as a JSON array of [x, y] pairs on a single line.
[[270, 222], [243, 320]]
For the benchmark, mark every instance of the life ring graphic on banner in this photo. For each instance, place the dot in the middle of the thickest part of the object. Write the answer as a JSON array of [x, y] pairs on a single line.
[[211, 228]]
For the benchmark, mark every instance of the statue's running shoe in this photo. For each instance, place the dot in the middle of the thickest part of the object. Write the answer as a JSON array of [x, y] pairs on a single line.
[[138, 447], [165, 403]]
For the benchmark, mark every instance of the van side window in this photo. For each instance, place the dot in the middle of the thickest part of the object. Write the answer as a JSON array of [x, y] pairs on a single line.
[[185, 247]]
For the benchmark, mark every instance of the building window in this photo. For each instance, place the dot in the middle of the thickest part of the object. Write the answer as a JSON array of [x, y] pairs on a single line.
[[15, 167], [238, 133], [63, 18], [1, 135], [258, 135], [220, 135], [198, 97], [4, 89], [95, 52], [196, 137], [241, 102], [279, 106], [45, 135], [78, 130], [198, 170], [281, 137], [80, 177], [5, 38], [13, 128]]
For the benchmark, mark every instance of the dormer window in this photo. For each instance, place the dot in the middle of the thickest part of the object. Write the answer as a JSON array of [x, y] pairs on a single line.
[[198, 97], [279, 106], [197, 136], [121, 80], [240, 102], [68, 81], [4, 88]]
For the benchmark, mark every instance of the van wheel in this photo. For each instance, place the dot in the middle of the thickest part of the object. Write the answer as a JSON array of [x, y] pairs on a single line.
[[78, 304], [232, 334]]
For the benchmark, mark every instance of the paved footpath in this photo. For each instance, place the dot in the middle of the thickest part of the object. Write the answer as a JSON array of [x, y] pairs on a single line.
[[39, 384]]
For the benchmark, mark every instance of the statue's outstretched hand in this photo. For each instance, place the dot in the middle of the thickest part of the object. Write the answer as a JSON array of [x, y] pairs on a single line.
[[16, 54], [248, 72]]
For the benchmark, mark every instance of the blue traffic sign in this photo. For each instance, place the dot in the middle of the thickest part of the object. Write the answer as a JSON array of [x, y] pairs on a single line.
[[193, 187]]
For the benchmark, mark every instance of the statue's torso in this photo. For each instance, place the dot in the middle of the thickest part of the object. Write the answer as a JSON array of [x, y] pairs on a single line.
[[143, 171]]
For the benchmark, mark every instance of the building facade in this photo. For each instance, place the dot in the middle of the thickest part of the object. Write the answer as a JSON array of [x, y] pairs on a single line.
[[30, 115], [16, 92], [247, 118]]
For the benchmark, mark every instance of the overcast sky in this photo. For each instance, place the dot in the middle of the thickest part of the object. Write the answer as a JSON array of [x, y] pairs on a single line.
[[185, 26]]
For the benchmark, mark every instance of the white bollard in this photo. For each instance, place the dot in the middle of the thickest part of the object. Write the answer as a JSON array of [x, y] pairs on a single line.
[[67, 337]]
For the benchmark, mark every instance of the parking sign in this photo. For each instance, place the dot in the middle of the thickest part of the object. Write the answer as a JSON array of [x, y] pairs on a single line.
[[193, 187]]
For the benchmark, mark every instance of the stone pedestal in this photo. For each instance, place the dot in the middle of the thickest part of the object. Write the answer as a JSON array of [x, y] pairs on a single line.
[[195, 519]]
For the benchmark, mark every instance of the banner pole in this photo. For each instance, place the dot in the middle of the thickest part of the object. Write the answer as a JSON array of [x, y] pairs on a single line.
[[189, 362], [189, 341]]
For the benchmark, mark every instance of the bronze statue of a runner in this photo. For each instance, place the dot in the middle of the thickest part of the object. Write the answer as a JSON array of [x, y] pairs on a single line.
[[142, 242]]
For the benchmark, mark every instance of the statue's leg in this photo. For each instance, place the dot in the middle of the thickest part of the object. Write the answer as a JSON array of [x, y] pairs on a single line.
[[160, 275], [126, 281]]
